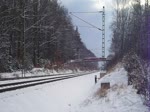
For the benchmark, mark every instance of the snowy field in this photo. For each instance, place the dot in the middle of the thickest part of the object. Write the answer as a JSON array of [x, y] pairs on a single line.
[[76, 95]]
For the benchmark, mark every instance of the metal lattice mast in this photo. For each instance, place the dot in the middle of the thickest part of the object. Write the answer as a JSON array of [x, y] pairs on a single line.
[[103, 27], [103, 33]]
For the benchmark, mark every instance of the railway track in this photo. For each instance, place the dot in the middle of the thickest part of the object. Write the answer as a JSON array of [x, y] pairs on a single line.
[[31, 77], [5, 87]]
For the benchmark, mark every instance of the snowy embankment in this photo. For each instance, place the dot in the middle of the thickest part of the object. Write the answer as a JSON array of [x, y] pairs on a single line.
[[119, 98]]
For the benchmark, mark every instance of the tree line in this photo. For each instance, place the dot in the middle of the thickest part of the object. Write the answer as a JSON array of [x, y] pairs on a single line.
[[131, 41], [130, 28], [34, 33]]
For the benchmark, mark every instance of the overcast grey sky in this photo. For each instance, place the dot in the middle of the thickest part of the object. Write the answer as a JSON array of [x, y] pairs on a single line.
[[91, 37]]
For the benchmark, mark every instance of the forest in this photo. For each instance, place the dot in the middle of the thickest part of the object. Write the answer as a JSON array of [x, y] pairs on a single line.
[[38, 33], [131, 42]]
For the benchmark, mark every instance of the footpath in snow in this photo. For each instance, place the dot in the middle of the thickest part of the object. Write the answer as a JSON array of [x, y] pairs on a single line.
[[79, 94]]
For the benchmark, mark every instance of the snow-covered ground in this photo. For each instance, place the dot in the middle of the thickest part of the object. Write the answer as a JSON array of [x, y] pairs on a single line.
[[119, 98], [53, 97], [79, 94]]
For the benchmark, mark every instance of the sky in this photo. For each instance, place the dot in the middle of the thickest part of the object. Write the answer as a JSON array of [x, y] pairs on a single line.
[[92, 37]]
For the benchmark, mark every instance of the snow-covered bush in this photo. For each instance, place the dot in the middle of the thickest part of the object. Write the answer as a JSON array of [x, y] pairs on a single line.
[[137, 73]]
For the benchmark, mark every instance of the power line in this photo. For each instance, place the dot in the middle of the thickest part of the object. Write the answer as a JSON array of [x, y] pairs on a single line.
[[103, 26], [85, 26], [88, 12], [86, 22]]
